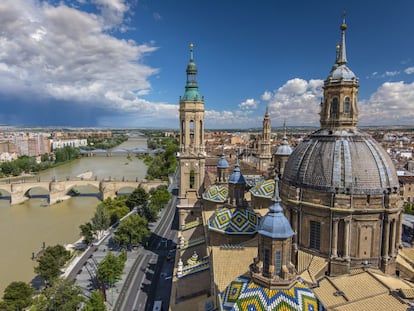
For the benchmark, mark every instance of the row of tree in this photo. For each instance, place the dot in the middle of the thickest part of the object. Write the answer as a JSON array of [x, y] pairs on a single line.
[[164, 162]]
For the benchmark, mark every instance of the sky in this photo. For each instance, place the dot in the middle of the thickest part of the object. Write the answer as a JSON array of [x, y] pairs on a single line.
[[121, 63]]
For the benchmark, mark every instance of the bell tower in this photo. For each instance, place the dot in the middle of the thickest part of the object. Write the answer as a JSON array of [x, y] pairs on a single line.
[[265, 156], [192, 151], [339, 110]]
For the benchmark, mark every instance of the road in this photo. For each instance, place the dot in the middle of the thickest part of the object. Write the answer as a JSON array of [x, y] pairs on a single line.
[[149, 278]]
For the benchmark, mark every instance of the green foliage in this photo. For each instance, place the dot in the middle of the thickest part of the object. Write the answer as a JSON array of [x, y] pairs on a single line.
[[116, 208], [110, 269], [96, 302], [101, 219], [49, 264], [66, 154], [164, 162], [160, 198], [63, 295], [87, 232], [106, 143], [409, 208], [131, 230], [138, 198], [17, 296]]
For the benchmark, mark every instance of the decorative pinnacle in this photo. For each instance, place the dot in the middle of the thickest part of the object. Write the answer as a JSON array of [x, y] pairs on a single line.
[[342, 51], [191, 52]]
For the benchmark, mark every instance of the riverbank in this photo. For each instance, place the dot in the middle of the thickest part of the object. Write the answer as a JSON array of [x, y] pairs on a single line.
[[24, 227]]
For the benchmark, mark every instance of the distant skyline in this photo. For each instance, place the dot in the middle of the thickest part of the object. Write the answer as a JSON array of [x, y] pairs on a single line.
[[119, 63]]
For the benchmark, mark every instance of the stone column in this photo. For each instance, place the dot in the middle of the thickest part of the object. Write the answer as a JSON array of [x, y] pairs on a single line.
[[399, 229], [386, 240], [334, 250], [347, 221], [393, 237]]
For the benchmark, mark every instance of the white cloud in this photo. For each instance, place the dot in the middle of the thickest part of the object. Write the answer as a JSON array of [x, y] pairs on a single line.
[[248, 104], [297, 102], [391, 104], [266, 96], [391, 73], [409, 70], [112, 12], [230, 119], [62, 53]]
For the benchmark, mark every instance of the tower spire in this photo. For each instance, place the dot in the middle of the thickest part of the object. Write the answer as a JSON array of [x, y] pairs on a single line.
[[191, 86], [342, 50]]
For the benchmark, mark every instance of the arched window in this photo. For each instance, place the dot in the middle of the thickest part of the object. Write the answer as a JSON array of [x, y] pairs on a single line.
[[201, 132], [192, 179], [334, 106], [347, 105], [191, 131], [278, 263]]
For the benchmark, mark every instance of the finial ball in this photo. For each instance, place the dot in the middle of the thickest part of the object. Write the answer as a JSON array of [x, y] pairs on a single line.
[[343, 26], [191, 46]]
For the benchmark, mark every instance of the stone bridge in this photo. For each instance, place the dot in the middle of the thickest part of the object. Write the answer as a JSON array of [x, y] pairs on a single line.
[[61, 190]]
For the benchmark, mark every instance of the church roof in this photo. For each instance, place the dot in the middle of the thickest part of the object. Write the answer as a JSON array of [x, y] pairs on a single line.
[[344, 161], [216, 193], [284, 148], [275, 224], [263, 189], [222, 163], [237, 177], [234, 221], [244, 294]]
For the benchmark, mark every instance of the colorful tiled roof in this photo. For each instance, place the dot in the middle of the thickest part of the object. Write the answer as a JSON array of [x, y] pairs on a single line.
[[234, 221], [244, 294], [216, 193], [264, 189]]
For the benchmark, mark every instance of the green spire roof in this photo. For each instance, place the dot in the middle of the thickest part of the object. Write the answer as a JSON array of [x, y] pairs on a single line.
[[191, 87]]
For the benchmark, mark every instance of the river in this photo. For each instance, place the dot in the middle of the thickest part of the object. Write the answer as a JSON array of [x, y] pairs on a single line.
[[24, 227]]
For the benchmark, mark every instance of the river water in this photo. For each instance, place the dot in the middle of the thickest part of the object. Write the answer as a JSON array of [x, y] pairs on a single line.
[[24, 227]]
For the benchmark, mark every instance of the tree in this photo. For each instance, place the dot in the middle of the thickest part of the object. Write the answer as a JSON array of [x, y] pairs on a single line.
[[49, 264], [17, 296], [131, 230], [87, 232], [150, 212], [116, 208], [138, 198], [160, 198], [63, 295], [110, 269], [101, 219], [96, 302]]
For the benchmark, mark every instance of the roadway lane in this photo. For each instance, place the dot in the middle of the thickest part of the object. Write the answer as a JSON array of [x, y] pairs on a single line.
[[140, 287]]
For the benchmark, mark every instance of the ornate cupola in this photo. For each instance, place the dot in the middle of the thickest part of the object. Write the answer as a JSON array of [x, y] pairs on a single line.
[[222, 168], [339, 110], [237, 185], [281, 155], [272, 267]]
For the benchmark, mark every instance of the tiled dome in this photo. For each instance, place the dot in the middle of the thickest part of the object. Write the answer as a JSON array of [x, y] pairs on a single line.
[[216, 193], [244, 294], [263, 189], [234, 221]]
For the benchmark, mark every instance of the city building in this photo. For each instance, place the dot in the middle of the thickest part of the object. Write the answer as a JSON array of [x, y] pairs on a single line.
[[324, 234]]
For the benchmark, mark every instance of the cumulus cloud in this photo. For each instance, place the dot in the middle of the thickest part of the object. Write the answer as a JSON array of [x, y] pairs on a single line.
[[409, 70], [59, 52], [230, 119], [266, 96], [248, 104], [297, 102], [391, 104]]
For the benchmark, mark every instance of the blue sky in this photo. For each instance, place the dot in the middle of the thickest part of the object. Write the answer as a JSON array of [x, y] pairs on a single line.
[[120, 63]]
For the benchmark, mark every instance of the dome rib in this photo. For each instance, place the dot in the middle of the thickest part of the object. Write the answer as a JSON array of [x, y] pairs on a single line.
[[350, 161]]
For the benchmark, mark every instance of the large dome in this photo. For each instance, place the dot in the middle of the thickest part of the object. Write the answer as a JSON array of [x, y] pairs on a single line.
[[345, 161]]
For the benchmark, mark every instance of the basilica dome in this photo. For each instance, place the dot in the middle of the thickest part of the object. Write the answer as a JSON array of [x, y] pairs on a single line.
[[346, 161]]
